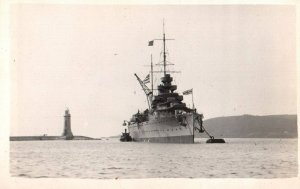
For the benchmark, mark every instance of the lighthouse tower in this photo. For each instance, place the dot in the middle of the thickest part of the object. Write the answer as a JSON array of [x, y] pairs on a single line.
[[67, 126]]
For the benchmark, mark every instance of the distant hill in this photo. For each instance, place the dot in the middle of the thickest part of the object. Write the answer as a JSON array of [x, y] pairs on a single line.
[[249, 126]]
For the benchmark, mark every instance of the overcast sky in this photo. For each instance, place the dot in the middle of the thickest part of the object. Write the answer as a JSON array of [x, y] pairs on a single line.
[[238, 59]]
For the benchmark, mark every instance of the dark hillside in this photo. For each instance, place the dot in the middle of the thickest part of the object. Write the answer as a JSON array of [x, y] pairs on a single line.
[[249, 126]]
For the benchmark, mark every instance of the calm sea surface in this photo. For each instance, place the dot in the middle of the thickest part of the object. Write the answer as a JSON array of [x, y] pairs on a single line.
[[110, 159]]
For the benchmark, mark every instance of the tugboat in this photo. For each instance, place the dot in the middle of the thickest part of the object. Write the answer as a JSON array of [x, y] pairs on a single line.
[[125, 137], [168, 119]]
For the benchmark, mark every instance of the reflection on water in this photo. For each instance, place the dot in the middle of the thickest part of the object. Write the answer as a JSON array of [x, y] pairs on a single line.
[[238, 158]]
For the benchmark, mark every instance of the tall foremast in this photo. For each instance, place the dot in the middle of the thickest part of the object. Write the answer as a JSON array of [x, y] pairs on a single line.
[[167, 99], [164, 42]]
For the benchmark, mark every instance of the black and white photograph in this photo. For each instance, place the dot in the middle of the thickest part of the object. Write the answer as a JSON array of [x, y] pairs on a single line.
[[152, 91]]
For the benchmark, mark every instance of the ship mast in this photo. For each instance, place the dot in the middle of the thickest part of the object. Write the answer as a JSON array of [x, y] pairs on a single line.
[[151, 75], [164, 41]]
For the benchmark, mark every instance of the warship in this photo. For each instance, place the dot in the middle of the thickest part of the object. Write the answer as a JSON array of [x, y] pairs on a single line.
[[167, 119]]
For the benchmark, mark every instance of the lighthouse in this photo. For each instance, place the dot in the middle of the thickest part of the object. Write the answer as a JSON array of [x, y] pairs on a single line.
[[67, 126]]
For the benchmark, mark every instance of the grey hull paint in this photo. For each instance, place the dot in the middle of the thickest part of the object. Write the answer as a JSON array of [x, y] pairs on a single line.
[[172, 139], [163, 130]]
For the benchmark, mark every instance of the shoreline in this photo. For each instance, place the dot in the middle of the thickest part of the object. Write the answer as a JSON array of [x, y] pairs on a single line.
[[35, 138]]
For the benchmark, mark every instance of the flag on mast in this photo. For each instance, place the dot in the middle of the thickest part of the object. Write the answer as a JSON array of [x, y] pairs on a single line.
[[147, 79], [187, 92], [151, 43]]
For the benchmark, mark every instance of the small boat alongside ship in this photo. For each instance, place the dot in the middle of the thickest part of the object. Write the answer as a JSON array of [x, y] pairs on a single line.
[[125, 137]]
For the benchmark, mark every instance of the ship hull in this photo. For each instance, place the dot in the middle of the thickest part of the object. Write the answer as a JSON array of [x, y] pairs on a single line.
[[189, 139], [163, 130]]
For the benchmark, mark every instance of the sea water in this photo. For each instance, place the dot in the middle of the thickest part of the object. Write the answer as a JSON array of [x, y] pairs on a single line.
[[111, 159]]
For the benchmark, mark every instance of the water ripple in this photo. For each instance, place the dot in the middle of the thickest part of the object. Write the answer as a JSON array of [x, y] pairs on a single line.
[[238, 158]]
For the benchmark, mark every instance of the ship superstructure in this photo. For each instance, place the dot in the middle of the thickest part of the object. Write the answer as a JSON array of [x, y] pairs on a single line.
[[167, 119]]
